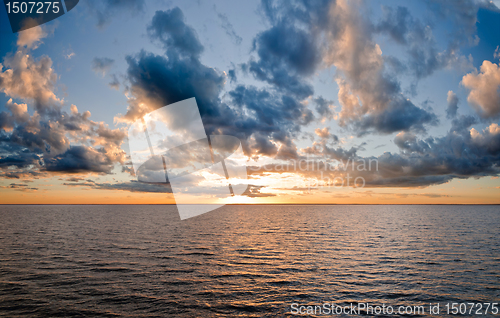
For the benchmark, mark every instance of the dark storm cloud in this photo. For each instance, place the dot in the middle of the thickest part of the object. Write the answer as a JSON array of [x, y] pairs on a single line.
[[338, 153], [162, 80], [38, 136], [21, 174], [169, 28], [271, 110], [370, 93], [80, 159], [46, 140], [272, 118], [401, 115], [286, 55], [134, 186], [21, 159], [409, 142], [33, 144], [290, 51], [42, 142], [462, 153], [459, 154], [462, 123], [305, 36], [259, 117]]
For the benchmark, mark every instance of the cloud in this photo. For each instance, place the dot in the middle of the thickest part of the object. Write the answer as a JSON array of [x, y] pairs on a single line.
[[462, 123], [263, 119], [371, 100], [324, 108], [49, 140], [422, 53], [488, 140], [286, 54], [104, 10], [169, 28], [272, 118], [305, 37], [253, 191], [409, 142], [459, 154], [115, 83], [21, 159], [30, 80], [81, 159], [451, 110], [463, 17], [462, 153], [302, 38], [31, 38], [158, 80], [232, 76], [73, 179], [45, 142], [484, 89], [102, 65], [132, 186], [18, 114], [290, 51], [323, 133], [19, 187], [228, 27], [68, 54]]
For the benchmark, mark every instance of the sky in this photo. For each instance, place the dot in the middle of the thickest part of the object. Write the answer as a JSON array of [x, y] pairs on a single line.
[[333, 102]]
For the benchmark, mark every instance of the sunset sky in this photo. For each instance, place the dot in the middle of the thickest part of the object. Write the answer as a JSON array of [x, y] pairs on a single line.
[[411, 85]]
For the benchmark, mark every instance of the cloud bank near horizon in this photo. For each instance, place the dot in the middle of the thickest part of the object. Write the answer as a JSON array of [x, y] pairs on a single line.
[[270, 102]]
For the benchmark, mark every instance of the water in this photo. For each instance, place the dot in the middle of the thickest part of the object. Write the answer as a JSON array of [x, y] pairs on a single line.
[[242, 261]]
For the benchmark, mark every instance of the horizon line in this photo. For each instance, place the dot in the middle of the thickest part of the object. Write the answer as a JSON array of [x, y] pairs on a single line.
[[250, 204]]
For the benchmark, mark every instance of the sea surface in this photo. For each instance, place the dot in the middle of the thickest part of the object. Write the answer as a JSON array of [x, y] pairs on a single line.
[[243, 261]]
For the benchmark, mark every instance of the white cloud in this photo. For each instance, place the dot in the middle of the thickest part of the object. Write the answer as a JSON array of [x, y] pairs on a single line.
[[484, 88], [31, 38]]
